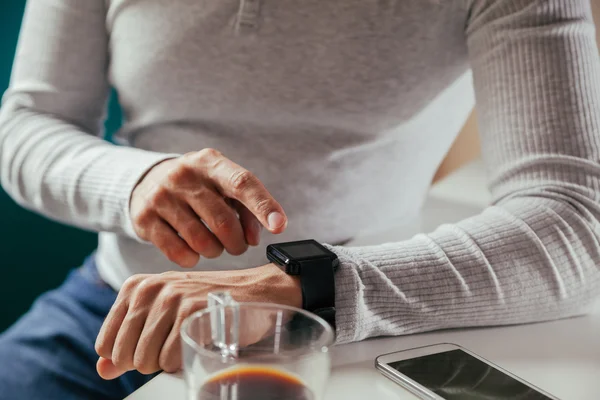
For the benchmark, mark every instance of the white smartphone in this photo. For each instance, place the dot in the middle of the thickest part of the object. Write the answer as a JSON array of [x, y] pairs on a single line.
[[450, 372]]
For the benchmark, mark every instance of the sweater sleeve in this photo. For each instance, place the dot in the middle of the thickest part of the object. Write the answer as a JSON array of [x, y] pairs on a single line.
[[533, 254], [52, 159]]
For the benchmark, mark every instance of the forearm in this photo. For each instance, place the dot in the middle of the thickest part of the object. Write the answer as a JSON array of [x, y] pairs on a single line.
[[52, 159], [56, 169], [529, 259], [533, 255]]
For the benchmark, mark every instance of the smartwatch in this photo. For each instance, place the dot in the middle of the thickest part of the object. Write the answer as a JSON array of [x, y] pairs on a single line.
[[316, 266]]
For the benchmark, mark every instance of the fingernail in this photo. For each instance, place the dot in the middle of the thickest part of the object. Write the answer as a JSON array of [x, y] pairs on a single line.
[[275, 220]]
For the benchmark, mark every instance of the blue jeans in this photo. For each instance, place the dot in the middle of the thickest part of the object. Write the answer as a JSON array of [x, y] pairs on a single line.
[[49, 353]]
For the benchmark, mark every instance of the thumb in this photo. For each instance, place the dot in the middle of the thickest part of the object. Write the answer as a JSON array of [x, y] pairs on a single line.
[[107, 370]]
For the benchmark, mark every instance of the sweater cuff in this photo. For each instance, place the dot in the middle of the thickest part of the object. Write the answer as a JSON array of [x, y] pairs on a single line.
[[348, 292]]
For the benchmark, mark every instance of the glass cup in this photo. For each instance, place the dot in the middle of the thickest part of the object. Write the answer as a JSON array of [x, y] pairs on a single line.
[[254, 351]]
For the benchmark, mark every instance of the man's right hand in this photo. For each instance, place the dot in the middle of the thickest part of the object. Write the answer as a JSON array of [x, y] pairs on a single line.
[[201, 203]]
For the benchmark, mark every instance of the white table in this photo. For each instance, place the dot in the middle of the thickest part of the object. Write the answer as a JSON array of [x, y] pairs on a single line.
[[561, 357]]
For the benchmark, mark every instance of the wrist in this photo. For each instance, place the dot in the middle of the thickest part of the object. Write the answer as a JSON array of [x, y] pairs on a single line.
[[142, 164], [280, 287]]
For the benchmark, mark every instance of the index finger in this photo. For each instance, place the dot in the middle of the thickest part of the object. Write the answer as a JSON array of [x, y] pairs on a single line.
[[238, 183]]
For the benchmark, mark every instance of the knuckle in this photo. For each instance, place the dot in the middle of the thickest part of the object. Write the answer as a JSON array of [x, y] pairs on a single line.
[[121, 360], [168, 360], [158, 196], [139, 364], [137, 314], [200, 192], [213, 252], [169, 274], [142, 364], [182, 174], [175, 253], [143, 217], [131, 283], [170, 296], [238, 251], [264, 206], [223, 222], [205, 245], [146, 369], [168, 365], [207, 154], [195, 235], [149, 285], [199, 244], [189, 260], [186, 308], [101, 348], [241, 180]]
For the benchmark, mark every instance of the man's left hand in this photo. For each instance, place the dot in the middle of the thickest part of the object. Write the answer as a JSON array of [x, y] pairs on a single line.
[[141, 331]]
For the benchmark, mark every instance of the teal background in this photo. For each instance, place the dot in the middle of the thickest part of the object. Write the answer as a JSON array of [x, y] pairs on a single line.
[[35, 254]]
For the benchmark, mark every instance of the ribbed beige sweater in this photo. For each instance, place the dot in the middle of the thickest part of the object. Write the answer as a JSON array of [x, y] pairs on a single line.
[[344, 109]]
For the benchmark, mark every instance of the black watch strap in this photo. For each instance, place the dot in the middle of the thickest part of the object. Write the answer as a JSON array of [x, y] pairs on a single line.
[[328, 314], [318, 284]]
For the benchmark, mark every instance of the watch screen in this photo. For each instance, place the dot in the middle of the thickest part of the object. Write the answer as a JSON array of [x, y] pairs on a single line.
[[301, 250], [456, 375]]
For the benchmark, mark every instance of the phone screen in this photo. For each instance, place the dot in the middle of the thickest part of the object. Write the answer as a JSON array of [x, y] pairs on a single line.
[[456, 375]]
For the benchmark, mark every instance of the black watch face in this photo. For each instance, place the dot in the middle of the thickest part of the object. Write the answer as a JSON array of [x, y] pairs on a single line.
[[300, 250]]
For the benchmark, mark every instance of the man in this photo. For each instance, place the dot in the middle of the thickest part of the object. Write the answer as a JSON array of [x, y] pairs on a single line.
[[337, 114]]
